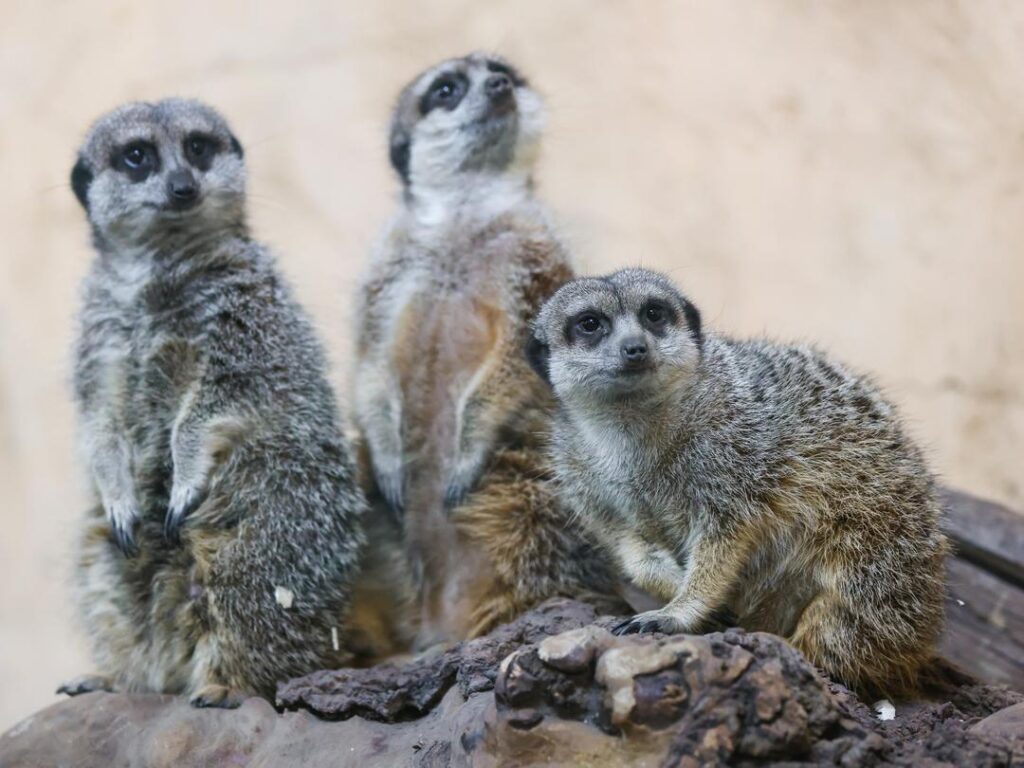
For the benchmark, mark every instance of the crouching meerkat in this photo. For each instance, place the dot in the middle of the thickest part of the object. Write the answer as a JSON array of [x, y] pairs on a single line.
[[449, 410], [743, 478], [222, 548]]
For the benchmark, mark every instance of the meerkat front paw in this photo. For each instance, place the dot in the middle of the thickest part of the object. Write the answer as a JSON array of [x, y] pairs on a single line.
[[122, 516], [649, 621], [86, 684], [219, 696], [184, 500], [457, 490], [462, 481], [391, 484]]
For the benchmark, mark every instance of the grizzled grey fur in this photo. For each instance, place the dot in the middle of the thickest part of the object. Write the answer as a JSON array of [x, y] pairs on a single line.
[[220, 553], [743, 481]]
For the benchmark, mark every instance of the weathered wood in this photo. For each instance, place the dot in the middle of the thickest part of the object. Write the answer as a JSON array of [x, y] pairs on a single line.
[[984, 632], [986, 534]]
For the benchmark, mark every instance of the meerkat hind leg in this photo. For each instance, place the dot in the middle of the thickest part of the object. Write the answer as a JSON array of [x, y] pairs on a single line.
[[86, 684]]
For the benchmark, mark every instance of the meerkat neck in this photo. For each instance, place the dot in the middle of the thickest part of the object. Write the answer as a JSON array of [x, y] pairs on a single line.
[[468, 198], [643, 426], [652, 424]]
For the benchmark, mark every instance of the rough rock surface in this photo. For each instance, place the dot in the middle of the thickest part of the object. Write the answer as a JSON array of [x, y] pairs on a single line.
[[552, 688]]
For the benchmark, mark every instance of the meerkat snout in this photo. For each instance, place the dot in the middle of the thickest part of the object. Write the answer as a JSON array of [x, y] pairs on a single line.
[[182, 189], [634, 354]]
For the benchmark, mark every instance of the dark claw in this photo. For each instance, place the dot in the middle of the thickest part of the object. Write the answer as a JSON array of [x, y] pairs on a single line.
[[201, 702], [125, 540], [172, 528], [174, 520], [453, 496], [392, 497], [634, 626]]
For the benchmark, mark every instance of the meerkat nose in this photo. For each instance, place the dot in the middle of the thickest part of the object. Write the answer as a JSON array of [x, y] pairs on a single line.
[[634, 351], [182, 188], [498, 87]]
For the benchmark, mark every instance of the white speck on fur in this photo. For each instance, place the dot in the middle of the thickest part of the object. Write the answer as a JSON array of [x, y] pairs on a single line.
[[334, 639], [885, 709], [960, 603], [284, 596]]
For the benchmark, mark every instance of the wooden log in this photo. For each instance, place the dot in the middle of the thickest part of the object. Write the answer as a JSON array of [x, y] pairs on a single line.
[[986, 534], [984, 632]]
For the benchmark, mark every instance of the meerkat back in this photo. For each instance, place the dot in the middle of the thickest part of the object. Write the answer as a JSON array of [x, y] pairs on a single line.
[[220, 552], [452, 419]]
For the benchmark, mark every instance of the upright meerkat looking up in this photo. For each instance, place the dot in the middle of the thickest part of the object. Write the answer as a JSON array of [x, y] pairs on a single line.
[[750, 479], [221, 550], [451, 415]]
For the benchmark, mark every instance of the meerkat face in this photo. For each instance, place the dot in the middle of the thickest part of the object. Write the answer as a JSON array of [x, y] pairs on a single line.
[[473, 114], [631, 333], [147, 165]]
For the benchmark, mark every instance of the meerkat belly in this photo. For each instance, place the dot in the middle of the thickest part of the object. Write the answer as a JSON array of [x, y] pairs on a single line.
[[441, 344]]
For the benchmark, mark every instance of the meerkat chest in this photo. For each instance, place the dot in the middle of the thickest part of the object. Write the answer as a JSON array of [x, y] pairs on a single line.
[[132, 361], [444, 330], [616, 470]]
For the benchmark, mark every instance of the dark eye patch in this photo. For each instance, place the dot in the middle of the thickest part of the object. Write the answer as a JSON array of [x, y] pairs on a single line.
[[656, 316], [504, 69], [447, 91], [587, 327], [200, 149], [137, 160]]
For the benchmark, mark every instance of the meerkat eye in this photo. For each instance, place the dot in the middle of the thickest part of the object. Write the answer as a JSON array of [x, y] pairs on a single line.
[[135, 155], [199, 150], [137, 160], [446, 91], [656, 316], [588, 326]]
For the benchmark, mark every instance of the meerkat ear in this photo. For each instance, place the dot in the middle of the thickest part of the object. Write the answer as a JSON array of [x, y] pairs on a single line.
[[236, 145], [693, 323], [537, 353], [81, 178], [399, 153]]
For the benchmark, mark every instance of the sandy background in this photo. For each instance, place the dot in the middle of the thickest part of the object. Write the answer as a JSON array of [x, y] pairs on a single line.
[[849, 172]]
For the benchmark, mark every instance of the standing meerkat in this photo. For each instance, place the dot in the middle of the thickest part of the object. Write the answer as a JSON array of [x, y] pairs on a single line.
[[450, 413], [743, 478], [221, 551]]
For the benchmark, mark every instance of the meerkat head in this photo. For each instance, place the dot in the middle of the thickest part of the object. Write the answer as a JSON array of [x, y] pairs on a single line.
[[472, 115], [625, 335], [147, 166]]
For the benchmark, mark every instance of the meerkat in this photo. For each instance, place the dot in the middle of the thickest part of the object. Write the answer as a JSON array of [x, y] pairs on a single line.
[[749, 479], [226, 533], [451, 416]]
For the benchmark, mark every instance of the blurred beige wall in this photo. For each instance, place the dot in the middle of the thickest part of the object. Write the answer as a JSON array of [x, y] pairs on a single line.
[[849, 172]]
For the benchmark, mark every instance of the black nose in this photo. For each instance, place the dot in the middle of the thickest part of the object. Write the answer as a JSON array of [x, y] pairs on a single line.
[[634, 351], [182, 188], [498, 87]]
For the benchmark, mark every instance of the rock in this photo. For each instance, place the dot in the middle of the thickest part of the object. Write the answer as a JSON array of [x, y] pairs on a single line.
[[1007, 723], [553, 687], [392, 692]]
